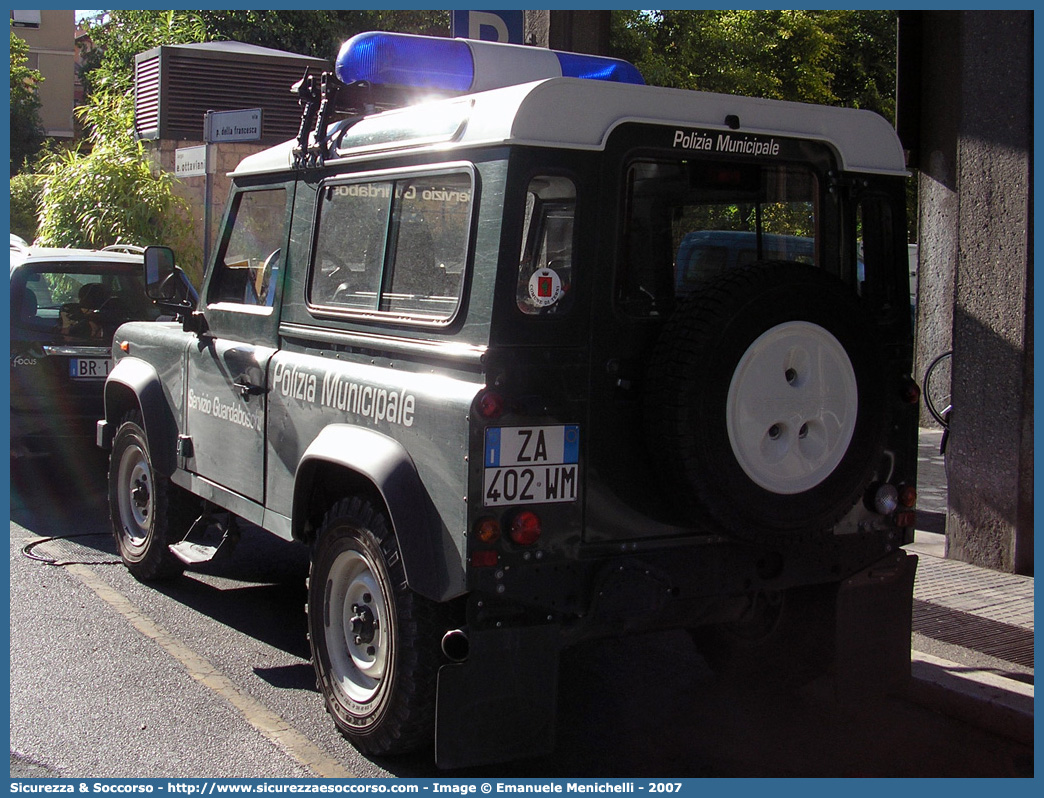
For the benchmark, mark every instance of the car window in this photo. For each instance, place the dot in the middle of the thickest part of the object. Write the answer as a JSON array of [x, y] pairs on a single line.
[[248, 262], [545, 270], [875, 244], [395, 247], [349, 251], [688, 220], [79, 302]]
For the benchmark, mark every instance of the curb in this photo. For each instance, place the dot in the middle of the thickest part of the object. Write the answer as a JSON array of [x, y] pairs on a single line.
[[981, 698]]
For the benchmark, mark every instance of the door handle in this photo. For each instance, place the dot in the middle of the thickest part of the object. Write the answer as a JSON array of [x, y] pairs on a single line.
[[247, 389]]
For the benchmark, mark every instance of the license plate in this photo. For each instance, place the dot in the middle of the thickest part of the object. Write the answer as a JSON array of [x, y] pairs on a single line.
[[531, 465], [89, 368]]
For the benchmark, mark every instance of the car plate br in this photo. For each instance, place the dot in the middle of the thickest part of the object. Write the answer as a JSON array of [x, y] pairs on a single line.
[[89, 368], [531, 465]]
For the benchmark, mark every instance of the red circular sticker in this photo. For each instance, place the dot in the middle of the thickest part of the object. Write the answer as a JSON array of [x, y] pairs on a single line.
[[545, 288]]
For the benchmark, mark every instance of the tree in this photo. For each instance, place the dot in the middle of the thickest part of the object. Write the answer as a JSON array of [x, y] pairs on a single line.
[[27, 133], [110, 193], [826, 57]]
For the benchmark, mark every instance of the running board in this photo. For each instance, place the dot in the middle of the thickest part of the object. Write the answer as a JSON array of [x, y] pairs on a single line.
[[206, 538]]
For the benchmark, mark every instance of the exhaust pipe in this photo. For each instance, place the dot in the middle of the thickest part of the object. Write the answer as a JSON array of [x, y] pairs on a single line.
[[455, 645]]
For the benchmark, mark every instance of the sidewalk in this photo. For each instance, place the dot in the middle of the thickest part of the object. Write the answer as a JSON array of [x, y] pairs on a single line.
[[972, 627]]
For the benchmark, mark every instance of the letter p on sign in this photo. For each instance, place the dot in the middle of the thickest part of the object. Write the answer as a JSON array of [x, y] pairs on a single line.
[[490, 26]]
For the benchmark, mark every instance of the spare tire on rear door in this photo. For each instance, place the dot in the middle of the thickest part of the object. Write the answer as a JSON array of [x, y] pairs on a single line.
[[765, 401]]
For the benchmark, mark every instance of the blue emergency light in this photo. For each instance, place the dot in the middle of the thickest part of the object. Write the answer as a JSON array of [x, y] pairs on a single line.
[[465, 65]]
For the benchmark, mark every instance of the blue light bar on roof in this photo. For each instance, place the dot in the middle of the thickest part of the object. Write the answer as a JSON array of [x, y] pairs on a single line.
[[465, 65], [593, 67], [391, 59]]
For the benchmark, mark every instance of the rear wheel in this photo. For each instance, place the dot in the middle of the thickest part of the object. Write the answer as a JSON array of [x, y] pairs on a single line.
[[147, 511], [374, 642]]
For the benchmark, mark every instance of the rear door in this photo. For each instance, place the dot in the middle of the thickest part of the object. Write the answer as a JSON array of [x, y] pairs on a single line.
[[659, 202]]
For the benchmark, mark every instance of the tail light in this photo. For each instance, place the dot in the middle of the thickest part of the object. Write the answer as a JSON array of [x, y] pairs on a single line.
[[525, 528], [487, 530], [911, 391], [484, 558], [906, 518], [489, 404], [907, 495]]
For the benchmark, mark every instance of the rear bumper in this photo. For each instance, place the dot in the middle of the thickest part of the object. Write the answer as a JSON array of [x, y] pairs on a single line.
[[682, 585], [500, 702]]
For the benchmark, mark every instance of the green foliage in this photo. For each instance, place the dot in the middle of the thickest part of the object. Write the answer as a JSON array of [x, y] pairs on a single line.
[[826, 57], [110, 194], [25, 204], [109, 66], [27, 133]]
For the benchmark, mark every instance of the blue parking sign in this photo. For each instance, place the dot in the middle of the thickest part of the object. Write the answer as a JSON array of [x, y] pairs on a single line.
[[490, 26]]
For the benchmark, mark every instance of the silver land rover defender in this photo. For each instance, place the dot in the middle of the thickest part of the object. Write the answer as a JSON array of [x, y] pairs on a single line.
[[443, 342]]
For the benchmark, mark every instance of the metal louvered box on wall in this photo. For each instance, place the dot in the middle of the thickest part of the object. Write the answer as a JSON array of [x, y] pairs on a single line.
[[175, 85]]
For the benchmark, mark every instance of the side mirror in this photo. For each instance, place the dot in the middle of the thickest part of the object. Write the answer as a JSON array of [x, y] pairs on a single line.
[[160, 284]]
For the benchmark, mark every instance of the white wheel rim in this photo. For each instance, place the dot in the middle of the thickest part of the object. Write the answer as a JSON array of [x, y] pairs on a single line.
[[135, 496], [356, 627], [791, 408]]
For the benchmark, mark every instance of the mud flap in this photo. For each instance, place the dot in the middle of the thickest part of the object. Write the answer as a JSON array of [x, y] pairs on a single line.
[[874, 626], [501, 703]]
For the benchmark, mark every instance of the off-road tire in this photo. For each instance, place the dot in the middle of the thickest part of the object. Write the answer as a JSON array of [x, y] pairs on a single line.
[[772, 349], [379, 688], [147, 511]]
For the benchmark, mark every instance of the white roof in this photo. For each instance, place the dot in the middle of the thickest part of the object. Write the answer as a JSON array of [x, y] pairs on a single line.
[[72, 255], [580, 114]]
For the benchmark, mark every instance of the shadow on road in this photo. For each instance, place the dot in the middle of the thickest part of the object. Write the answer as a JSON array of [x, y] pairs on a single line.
[[65, 491]]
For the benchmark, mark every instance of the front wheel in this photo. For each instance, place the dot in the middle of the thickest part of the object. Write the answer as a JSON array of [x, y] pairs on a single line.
[[374, 642], [147, 511]]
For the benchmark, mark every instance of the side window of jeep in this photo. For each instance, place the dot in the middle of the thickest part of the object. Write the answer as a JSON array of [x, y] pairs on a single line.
[[875, 256], [545, 270], [396, 247], [251, 254]]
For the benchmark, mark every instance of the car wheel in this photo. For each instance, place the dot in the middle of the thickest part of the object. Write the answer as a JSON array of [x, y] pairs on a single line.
[[766, 402], [147, 511], [374, 642]]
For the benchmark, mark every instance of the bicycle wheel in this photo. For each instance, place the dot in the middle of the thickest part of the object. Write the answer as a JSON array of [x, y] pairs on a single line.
[[937, 383]]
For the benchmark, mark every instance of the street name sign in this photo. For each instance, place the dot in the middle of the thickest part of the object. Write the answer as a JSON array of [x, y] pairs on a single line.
[[190, 161], [244, 125]]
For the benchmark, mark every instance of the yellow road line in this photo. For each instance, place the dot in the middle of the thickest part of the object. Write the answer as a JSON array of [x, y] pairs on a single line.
[[268, 723]]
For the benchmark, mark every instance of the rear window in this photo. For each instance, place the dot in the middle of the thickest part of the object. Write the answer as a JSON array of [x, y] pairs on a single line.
[[394, 248], [79, 302], [689, 220]]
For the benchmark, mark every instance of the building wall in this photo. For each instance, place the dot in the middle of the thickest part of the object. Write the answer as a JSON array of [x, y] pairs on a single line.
[[976, 284], [52, 52]]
